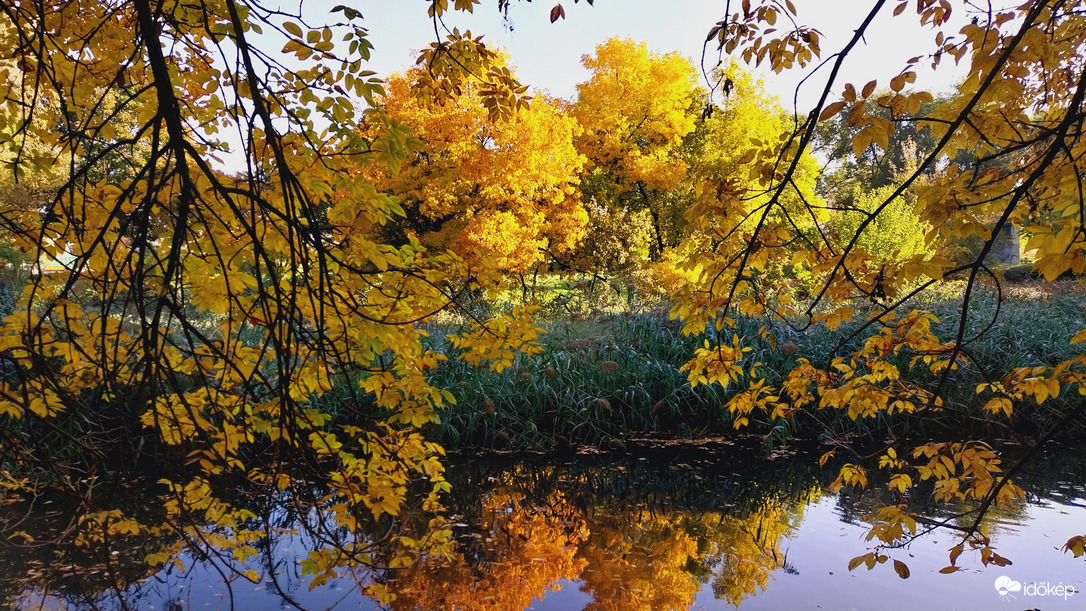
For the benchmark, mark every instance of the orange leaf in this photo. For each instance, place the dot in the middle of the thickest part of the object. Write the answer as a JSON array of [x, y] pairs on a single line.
[[955, 552], [901, 570], [831, 110]]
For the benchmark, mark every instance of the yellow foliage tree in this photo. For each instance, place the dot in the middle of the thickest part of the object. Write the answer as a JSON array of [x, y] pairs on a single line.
[[503, 189], [219, 312], [635, 111], [1012, 152]]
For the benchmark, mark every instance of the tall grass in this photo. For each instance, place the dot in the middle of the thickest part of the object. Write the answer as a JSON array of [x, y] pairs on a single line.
[[605, 378], [595, 381]]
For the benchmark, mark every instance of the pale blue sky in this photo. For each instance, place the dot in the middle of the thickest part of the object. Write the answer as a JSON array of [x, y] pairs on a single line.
[[547, 56]]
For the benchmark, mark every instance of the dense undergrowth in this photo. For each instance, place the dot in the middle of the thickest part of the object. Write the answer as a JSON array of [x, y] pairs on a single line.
[[603, 379]]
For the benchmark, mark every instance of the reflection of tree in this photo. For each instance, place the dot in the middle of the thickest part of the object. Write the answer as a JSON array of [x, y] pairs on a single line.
[[636, 561], [639, 534], [743, 552], [523, 550], [637, 538], [58, 553]]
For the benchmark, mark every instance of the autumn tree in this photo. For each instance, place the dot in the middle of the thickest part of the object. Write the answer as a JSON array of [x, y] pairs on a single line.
[[1012, 145], [653, 139], [739, 114], [851, 170], [635, 111], [209, 313], [504, 189]]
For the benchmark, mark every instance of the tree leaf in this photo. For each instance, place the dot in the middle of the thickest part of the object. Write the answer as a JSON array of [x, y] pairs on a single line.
[[861, 141], [293, 28], [955, 552], [831, 110], [901, 570]]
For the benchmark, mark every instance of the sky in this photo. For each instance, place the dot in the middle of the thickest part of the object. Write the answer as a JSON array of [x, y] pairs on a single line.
[[548, 56]]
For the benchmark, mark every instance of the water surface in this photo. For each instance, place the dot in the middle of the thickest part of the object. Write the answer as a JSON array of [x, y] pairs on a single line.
[[714, 525]]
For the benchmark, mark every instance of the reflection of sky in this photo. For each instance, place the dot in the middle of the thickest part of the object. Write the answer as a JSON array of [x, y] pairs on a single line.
[[819, 549], [822, 546]]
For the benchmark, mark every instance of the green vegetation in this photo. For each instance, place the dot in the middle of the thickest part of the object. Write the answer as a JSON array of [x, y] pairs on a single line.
[[606, 377]]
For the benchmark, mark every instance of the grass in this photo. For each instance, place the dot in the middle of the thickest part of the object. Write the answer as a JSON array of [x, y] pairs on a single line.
[[596, 380], [606, 378]]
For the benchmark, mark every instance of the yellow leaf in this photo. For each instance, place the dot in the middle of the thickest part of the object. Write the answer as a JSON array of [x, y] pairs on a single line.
[[861, 141], [826, 456], [157, 558], [955, 552], [881, 138]]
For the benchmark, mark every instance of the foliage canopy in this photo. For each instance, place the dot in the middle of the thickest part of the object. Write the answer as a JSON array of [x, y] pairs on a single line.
[[261, 325]]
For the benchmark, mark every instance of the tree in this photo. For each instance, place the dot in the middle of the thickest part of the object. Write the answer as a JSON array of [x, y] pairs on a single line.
[[653, 139], [1011, 136], [896, 234], [504, 189], [874, 167], [635, 112], [219, 312]]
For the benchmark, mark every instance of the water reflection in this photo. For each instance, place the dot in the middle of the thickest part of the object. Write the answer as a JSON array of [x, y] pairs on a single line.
[[662, 527]]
